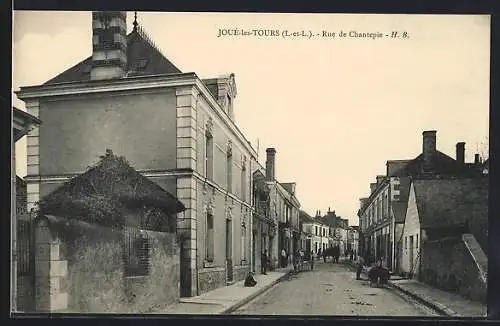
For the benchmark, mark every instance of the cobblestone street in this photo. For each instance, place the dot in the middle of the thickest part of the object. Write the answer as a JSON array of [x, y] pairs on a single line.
[[331, 289]]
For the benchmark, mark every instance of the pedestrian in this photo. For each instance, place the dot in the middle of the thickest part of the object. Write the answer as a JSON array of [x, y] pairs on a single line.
[[359, 267], [319, 253], [264, 262], [250, 281], [324, 256], [336, 254], [312, 260], [283, 258]]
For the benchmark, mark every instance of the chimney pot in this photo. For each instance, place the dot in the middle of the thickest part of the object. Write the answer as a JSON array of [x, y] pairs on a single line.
[[460, 152], [476, 159], [380, 178]]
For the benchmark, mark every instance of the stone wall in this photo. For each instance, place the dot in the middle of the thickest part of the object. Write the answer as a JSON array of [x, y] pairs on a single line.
[[91, 266], [448, 264], [21, 196], [241, 272], [211, 278]]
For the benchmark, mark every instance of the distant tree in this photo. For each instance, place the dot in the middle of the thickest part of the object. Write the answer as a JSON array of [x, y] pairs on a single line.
[[482, 148]]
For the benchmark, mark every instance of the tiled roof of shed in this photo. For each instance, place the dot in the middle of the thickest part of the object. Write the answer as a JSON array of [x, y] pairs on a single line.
[[454, 201]]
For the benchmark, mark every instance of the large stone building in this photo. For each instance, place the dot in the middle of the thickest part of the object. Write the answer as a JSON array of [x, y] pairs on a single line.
[[173, 127], [382, 214]]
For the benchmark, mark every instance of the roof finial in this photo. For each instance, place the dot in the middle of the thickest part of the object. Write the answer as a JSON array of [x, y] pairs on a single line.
[[135, 21]]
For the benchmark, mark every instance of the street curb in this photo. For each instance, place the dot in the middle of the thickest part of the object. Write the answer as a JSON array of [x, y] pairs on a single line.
[[246, 300], [442, 309]]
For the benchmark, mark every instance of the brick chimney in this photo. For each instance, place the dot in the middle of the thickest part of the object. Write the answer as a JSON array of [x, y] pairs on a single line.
[[477, 161], [109, 45], [373, 186], [380, 178], [428, 148], [460, 152], [270, 164]]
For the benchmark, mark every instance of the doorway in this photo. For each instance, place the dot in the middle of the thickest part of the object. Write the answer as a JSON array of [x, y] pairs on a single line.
[[229, 250], [253, 251], [410, 255]]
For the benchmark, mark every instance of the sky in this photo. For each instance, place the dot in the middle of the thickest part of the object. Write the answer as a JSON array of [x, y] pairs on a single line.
[[336, 109]]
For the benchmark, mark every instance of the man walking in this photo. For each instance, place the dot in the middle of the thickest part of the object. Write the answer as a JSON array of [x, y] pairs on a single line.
[[312, 259], [283, 258], [359, 267]]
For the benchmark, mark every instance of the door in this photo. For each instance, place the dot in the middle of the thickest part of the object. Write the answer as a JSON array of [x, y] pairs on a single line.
[[253, 251], [410, 255], [229, 251]]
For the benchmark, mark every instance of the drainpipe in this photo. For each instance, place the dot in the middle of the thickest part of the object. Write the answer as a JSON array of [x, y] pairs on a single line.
[[13, 227], [250, 222]]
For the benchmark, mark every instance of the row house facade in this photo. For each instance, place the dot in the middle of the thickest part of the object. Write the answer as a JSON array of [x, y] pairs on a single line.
[[382, 213], [353, 239], [319, 235], [191, 146], [338, 229], [276, 214]]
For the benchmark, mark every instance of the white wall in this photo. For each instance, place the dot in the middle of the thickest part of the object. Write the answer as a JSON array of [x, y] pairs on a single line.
[[411, 228]]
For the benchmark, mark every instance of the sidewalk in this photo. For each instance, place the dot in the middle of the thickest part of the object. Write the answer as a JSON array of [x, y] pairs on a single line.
[[225, 299], [449, 304]]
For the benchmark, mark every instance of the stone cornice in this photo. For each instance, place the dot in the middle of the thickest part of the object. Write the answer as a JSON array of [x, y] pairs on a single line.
[[220, 189], [149, 174], [67, 176], [224, 117], [102, 86], [136, 83], [374, 195]]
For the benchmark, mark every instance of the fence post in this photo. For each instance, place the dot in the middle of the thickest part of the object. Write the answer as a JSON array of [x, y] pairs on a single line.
[[50, 271]]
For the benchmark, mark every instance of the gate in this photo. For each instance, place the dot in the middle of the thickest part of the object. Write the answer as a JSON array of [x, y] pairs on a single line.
[[26, 263], [185, 271]]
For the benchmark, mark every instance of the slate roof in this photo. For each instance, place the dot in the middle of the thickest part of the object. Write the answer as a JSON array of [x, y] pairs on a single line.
[[27, 119], [331, 220], [399, 211], [289, 186], [443, 203], [305, 218], [393, 166], [440, 164], [143, 58]]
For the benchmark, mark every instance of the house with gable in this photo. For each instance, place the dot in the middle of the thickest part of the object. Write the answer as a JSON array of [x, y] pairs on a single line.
[[382, 213], [174, 128], [276, 215], [445, 242]]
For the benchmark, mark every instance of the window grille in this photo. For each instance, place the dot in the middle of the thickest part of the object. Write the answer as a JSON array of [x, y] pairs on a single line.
[[136, 253]]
